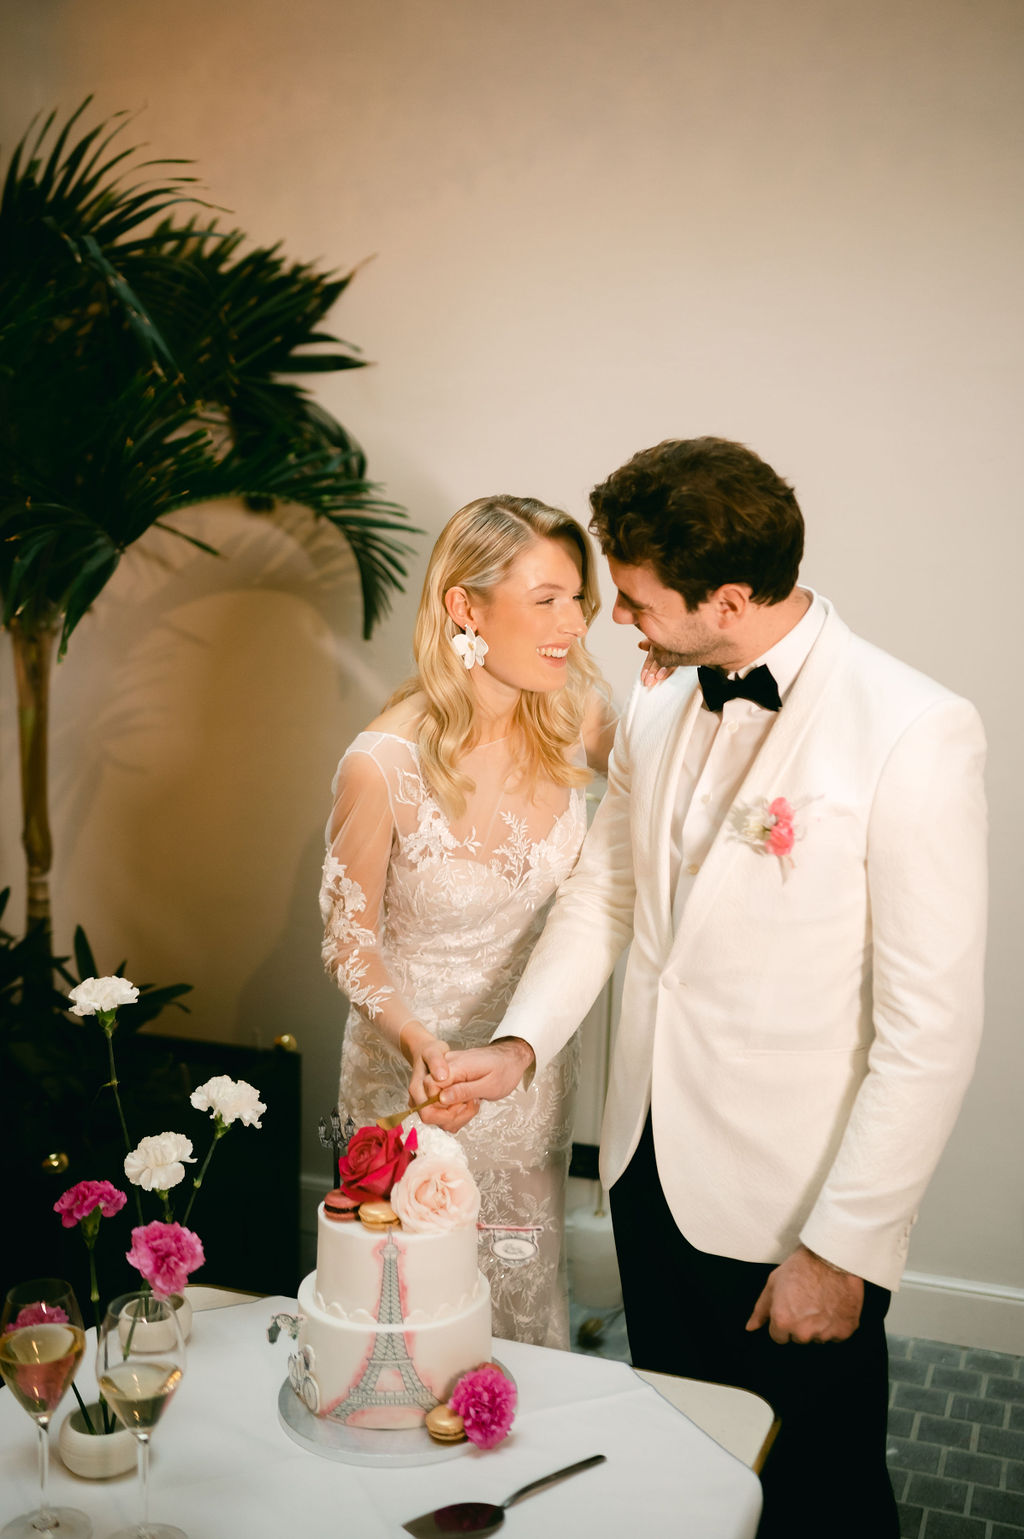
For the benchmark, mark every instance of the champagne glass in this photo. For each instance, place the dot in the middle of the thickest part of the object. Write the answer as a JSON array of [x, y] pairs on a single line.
[[140, 1358], [41, 1345]]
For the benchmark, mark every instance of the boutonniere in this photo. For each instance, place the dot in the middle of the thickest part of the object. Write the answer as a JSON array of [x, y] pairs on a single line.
[[771, 827]]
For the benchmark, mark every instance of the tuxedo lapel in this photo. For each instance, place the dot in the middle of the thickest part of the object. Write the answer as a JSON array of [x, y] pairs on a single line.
[[767, 773], [654, 845]]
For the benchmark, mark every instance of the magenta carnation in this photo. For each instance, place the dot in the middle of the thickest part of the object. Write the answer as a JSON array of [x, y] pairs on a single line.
[[79, 1201], [165, 1254], [486, 1401]]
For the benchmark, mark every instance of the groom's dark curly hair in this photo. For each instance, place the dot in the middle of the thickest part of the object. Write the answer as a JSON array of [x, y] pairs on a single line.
[[701, 512]]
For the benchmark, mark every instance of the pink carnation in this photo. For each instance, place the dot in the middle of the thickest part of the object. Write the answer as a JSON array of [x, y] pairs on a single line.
[[782, 835], [79, 1201], [165, 1254], [486, 1401], [37, 1314]]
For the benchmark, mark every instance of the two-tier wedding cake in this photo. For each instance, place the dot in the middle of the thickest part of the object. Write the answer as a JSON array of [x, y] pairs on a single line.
[[397, 1309]]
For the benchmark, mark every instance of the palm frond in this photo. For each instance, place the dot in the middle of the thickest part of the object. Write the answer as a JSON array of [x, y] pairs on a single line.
[[148, 364]]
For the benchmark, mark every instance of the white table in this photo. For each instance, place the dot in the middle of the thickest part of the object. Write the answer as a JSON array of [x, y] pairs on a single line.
[[223, 1466]]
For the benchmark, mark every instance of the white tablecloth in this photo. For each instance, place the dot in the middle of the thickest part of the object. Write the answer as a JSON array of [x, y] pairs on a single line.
[[223, 1466]]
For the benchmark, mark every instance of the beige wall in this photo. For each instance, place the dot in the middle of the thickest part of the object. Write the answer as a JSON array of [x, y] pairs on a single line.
[[594, 224]]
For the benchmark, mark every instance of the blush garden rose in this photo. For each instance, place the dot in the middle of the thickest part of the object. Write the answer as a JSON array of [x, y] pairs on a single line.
[[435, 1194]]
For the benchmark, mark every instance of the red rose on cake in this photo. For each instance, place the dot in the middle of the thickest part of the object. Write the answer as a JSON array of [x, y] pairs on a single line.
[[375, 1160]]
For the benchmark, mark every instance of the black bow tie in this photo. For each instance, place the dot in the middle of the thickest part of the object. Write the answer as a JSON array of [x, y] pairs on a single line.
[[759, 686]]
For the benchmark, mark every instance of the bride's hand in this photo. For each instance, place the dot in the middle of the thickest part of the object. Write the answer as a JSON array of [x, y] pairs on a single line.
[[653, 670], [427, 1056]]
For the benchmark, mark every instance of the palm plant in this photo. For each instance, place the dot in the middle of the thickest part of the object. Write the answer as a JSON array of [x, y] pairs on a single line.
[[148, 364]]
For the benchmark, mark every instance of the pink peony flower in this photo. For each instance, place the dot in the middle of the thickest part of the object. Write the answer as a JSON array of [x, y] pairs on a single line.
[[165, 1254], [435, 1194], [486, 1401], [375, 1160], [79, 1201]]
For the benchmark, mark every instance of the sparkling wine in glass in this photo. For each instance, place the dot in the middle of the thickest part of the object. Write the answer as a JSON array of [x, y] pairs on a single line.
[[41, 1345], [140, 1358]]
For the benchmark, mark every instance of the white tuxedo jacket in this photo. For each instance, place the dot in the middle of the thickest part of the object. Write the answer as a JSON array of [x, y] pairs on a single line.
[[804, 1040]]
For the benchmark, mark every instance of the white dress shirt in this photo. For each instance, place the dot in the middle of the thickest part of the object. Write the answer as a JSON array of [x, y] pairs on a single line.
[[721, 749]]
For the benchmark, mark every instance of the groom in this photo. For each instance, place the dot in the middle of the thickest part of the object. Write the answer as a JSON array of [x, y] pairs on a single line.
[[792, 843]]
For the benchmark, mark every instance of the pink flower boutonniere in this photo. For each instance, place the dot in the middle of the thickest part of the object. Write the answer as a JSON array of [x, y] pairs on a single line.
[[770, 827]]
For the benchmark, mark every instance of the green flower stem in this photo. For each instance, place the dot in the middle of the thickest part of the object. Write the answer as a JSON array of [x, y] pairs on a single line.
[[94, 1295], [94, 1287], [85, 1411], [218, 1133], [108, 1020]]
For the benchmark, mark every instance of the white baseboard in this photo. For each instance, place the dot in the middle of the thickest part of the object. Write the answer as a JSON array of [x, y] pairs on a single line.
[[959, 1310]]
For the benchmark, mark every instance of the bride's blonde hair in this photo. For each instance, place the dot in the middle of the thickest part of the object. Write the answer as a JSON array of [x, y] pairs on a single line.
[[474, 551]]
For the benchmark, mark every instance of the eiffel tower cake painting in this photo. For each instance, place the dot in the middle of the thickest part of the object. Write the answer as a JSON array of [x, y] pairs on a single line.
[[397, 1309]]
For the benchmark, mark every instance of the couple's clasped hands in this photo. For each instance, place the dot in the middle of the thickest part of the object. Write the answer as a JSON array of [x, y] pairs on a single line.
[[461, 1078]]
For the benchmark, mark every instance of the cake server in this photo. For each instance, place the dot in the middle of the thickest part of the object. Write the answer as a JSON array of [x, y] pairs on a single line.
[[486, 1517], [395, 1118]]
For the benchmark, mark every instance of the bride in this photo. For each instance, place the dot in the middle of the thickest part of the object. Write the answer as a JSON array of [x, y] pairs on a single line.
[[457, 813]]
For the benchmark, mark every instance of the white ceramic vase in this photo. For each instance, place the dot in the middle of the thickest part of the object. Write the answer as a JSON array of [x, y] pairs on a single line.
[[154, 1335], [95, 1456], [184, 1309]]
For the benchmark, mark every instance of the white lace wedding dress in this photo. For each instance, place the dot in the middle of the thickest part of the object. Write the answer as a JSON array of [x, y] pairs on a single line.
[[432, 921]]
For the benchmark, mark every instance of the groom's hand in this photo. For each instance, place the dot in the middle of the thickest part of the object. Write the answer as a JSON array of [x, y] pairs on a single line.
[[807, 1300], [485, 1073]]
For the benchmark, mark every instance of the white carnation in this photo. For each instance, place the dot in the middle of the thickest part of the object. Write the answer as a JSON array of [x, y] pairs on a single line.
[[433, 1141], [156, 1164], [104, 994], [229, 1099]]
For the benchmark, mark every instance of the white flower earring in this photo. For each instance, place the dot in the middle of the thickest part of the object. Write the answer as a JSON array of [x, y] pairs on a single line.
[[470, 647]]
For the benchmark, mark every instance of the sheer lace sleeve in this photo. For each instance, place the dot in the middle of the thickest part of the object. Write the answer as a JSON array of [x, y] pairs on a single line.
[[359, 844]]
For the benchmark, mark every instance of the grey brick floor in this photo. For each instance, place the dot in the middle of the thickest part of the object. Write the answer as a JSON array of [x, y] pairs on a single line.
[[956, 1440], [956, 1433]]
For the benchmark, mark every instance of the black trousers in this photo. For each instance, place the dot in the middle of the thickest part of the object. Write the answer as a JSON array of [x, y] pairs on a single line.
[[685, 1314]]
